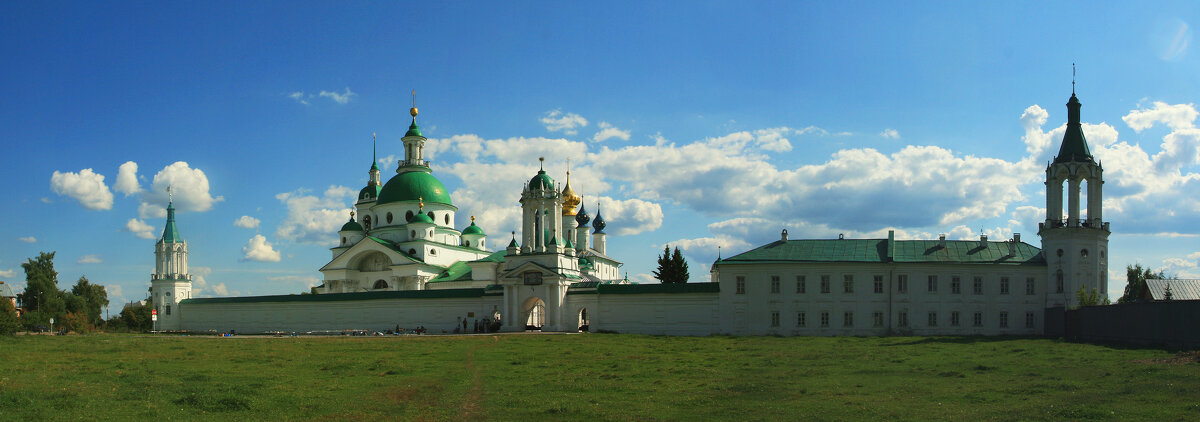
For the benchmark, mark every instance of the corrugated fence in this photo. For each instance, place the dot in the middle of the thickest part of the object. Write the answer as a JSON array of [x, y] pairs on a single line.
[[1171, 324]]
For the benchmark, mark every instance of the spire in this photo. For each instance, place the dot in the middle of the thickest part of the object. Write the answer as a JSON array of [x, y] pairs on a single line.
[[413, 129], [170, 233], [374, 158], [1074, 145]]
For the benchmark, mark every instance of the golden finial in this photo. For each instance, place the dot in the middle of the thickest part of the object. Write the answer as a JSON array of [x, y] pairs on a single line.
[[541, 161], [413, 111], [421, 203], [472, 219], [351, 214]]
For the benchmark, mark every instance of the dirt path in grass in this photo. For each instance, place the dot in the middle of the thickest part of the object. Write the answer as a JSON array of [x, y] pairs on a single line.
[[470, 406]]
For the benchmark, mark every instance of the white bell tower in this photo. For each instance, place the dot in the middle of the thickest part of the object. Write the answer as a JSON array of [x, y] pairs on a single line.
[[170, 282]]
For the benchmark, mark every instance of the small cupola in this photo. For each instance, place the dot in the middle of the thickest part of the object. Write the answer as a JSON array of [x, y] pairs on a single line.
[[473, 236], [420, 226]]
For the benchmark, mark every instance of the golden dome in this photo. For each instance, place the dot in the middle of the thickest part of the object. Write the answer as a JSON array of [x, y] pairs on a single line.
[[413, 111], [570, 198]]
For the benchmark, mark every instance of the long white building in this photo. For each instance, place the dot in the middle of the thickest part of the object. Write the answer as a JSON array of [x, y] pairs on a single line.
[[400, 262]]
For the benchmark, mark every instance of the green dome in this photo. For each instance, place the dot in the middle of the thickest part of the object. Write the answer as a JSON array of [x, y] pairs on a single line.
[[413, 186], [541, 181], [421, 218], [351, 226], [413, 130], [369, 192], [473, 229]]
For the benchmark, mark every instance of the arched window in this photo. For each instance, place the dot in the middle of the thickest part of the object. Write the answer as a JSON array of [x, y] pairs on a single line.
[[1060, 252], [389, 218], [1058, 281], [367, 223], [380, 284], [412, 234], [447, 218], [430, 214], [408, 216], [467, 243], [412, 252], [343, 240]]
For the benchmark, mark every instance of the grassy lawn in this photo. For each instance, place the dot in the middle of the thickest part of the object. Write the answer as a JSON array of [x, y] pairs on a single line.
[[594, 376]]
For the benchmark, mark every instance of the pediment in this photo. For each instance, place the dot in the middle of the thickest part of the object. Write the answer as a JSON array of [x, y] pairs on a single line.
[[368, 247]]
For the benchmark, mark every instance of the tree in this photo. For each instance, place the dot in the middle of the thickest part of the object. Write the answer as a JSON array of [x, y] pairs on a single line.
[[9, 323], [94, 299], [672, 268], [1135, 277], [137, 317], [41, 285], [1087, 298]]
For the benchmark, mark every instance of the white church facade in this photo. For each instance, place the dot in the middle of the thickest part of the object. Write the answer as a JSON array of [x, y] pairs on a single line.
[[400, 262]]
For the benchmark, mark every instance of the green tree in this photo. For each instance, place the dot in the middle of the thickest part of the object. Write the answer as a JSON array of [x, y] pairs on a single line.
[[136, 317], [1135, 287], [1085, 297], [94, 298], [41, 286], [672, 268], [9, 323]]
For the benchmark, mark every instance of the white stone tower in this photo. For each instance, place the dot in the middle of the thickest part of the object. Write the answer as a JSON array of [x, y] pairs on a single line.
[[1076, 247], [170, 282], [542, 215]]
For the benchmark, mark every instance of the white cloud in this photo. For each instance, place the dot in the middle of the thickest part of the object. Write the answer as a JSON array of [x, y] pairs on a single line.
[[258, 249], [246, 222], [89, 259], [28, 239], [114, 291], [890, 133], [568, 123], [341, 98], [9, 273], [1177, 116], [46, 200], [773, 139], [630, 216], [139, 228], [299, 97], [608, 131], [385, 163], [86, 187], [315, 219], [189, 188], [127, 181], [305, 281]]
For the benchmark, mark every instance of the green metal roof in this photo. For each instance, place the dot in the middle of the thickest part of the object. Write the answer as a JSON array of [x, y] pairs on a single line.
[[626, 289], [414, 186], [369, 192], [413, 129], [541, 181], [352, 226], [334, 297], [1074, 145], [473, 229], [497, 256], [459, 271], [170, 233], [885, 250], [420, 217]]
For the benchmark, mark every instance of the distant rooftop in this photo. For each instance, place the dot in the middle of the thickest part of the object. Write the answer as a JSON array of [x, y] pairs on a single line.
[[1181, 289], [891, 250]]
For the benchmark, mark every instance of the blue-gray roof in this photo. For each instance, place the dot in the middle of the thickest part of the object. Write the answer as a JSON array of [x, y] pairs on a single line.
[[6, 290], [1180, 289]]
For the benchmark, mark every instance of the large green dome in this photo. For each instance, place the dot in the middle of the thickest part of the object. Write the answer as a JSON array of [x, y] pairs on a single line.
[[541, 181], [414, 185]]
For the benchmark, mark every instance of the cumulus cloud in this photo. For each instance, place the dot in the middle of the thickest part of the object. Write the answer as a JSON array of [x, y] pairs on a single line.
[[630, 216], [259, 249], [127, 181], [246, 222], [28, 239], [299, 97], [1175, 116], [89, 259], [46, 200], [608, 131], [87, 187], [568, 123], [139, 228], [114, 291], [9, 273], [189, 189], [340, 98], [890, 134], [315, 219]]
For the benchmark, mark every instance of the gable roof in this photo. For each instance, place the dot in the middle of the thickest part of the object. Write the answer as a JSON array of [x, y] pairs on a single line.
[[1181, 289], [889, 250]]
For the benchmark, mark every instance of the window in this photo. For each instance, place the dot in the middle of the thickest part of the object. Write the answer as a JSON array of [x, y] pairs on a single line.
[[774, 284], [408, 216], [877, 319], [932, 284], [933, 319], [848, 319], [1029, 320], [343, 240], [1058, 281], [430, 214], [800, 319], [1003, 285], [367, 223], [978, 287], [380, 284], [902, 319], [979, 319], [824, 284], [447, 219], [168, 310], [955, 285], [1029, 286], [824, 319], [800, 284], [848, 283], [878, 284], [954, 319], [1004, 320], [774, 318], [412, 234], [902, 283], [740, 287], [389, 218]]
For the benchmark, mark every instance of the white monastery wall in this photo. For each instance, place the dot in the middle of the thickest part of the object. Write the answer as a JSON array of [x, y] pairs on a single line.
[[435, 314]]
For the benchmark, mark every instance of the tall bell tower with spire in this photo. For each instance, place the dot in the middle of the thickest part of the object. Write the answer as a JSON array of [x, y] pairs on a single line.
[[170, 282], [1076, 246]]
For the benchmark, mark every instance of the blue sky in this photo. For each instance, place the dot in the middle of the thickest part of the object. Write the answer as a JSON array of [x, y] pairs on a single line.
[[695, 125]]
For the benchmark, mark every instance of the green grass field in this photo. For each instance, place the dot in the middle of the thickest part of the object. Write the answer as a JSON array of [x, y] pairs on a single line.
[[589, 376]]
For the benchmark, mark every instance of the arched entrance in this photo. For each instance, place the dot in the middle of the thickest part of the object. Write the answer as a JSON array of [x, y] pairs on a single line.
[[535, 313], [584, 322]]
